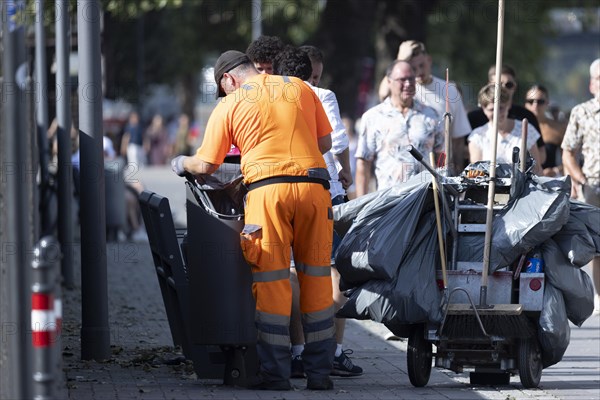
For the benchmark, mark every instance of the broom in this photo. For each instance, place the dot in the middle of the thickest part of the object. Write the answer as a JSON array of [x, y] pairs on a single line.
[[485, 320]]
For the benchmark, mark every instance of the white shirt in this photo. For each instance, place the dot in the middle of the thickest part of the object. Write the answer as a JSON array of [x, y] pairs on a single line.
[[434, 96], [339, 139], [482, 137]]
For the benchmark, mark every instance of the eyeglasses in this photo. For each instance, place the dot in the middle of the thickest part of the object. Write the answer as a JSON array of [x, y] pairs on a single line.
[[539, 102], [509, 84], [410, 79]]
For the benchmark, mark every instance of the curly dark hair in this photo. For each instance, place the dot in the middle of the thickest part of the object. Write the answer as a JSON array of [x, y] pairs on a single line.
[[315, 54], [293, 62], [264, 49]]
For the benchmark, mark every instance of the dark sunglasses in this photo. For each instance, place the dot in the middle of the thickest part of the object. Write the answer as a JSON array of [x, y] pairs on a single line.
[[509, 85], [540, 102]]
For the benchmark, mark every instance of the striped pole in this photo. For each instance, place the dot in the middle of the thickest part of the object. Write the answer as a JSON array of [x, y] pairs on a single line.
[[43, 321], [46, 256]]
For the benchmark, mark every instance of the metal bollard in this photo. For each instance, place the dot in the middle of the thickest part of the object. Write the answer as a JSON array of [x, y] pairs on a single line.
[[46, 257]]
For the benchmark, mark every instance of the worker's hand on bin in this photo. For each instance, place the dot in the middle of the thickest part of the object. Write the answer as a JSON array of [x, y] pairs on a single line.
[[177, 165]]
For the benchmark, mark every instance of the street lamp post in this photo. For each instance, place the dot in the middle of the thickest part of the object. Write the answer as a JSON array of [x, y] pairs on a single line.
[[95, 334]]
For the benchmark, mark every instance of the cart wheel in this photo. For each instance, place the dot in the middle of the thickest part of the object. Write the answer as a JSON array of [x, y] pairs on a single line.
[[418, 357], [530, 362]]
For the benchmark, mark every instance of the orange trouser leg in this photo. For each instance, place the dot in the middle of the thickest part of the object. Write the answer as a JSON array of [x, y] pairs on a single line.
[[313, 232], [277, 216], [266, 242]]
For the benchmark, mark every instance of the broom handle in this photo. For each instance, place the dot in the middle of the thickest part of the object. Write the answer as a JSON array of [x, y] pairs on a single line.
[[523, 153], [492, 185], [438, 220], [447, 139]]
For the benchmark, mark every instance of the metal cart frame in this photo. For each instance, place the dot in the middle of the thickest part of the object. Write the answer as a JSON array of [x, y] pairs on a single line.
[[512, 293]]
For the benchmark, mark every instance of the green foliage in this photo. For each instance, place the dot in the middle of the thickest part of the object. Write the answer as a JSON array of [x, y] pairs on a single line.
[[462, 37], [127, 9], [180, 37]]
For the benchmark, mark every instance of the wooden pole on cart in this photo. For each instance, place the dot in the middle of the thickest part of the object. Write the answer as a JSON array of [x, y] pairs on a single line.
[[492, 183], [447, 138], [438, 220], [523, 153]]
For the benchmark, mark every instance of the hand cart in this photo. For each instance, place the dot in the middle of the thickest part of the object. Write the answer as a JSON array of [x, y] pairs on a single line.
[[496, 337]]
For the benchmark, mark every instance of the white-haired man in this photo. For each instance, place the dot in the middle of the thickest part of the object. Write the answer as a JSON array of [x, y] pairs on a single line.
[[583, 137]]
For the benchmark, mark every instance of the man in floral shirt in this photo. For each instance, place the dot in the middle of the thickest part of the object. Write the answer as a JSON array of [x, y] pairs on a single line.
[[583, 137], [389, 127]]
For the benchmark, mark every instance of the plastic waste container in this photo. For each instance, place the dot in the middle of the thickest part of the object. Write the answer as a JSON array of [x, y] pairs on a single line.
[[221, 303]]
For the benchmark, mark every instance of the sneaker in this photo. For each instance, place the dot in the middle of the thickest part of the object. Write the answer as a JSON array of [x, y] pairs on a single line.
[[597, 304], [297, 367], [323, 383], [343, 366]]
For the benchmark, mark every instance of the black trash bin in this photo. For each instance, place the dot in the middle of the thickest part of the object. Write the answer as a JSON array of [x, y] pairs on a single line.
[[165, 242], [221, 303]]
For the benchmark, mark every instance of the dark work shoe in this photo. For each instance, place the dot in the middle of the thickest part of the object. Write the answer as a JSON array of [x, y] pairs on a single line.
[[322, 383], [343, 366], [297, 367], [261, 384]]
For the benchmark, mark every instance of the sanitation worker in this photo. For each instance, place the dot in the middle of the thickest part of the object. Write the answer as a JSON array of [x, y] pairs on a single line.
[[281, 129]]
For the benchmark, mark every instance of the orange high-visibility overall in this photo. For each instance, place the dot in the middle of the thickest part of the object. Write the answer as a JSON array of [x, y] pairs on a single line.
[[275, 122]]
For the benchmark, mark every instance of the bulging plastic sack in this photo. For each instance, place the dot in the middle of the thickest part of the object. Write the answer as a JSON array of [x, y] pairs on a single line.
[[575, 284], [412, 296], [381, 234], [579, 239], [554, 332], [537, 214]]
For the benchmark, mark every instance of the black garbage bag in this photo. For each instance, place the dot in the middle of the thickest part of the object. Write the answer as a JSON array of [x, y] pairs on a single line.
[[579, 239], [535, 213], [381, 233], [575, 284], [554, 332], [413, 295], [538, 214], [223, 192], [375, 204]]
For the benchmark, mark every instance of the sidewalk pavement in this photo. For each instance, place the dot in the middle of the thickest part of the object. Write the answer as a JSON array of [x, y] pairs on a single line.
[[142, 367]]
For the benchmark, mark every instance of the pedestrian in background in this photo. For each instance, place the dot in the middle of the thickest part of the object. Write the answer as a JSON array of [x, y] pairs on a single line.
[[537, 99], [582, 138], [431, 91], [263, 51], [132, 143], [508, 135], [156, 141], [281, 134], [508, 80], [386, 129]]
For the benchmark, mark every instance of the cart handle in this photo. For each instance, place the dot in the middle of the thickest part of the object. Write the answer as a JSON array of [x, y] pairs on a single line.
[[419, 157]]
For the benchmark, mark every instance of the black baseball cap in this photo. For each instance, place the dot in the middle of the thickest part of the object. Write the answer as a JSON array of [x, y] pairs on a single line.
[[225, 63]]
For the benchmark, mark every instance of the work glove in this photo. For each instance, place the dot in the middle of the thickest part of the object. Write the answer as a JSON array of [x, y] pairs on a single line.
[[177, 165]]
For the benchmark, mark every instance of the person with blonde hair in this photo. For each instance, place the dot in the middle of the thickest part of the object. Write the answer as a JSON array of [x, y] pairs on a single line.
[[509, 131]]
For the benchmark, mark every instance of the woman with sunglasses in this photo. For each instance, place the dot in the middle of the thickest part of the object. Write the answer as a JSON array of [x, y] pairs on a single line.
[[509, 131], [536, 101]]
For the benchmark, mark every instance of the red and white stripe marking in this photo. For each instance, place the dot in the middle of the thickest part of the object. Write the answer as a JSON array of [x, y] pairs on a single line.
[[43, 319]]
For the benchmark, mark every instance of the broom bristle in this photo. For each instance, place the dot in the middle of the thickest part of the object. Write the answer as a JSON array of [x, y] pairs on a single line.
[[509, 326]]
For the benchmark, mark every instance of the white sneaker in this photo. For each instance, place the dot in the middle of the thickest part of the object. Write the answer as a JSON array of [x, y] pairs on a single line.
[[597, 304]]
